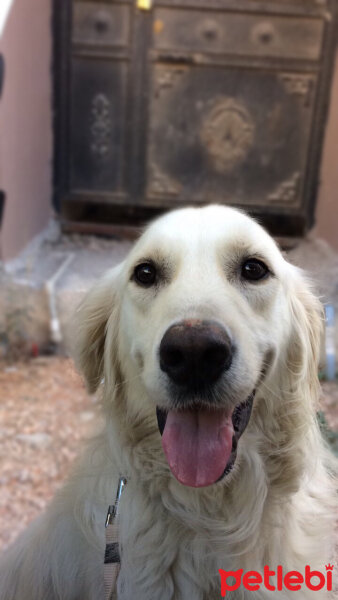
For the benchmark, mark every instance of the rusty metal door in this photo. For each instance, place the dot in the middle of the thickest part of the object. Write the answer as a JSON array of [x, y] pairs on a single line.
[[162, 103]]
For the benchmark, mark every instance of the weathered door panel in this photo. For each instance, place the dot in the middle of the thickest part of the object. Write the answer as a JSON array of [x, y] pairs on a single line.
[[238, 34], [98, 124], [234, 135], [100, 24]]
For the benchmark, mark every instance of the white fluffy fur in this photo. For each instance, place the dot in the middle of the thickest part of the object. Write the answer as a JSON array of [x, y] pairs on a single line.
[[276, 507]]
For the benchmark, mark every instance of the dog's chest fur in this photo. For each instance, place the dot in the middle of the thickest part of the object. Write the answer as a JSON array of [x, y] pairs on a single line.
[[162, 549], [173, 544], [172, 548]]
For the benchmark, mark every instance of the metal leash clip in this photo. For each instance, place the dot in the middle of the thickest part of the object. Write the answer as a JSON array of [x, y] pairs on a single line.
[[113, 508]]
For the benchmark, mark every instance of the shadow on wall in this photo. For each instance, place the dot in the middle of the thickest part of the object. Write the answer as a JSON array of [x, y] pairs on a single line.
[[4, 8], [2, 73]]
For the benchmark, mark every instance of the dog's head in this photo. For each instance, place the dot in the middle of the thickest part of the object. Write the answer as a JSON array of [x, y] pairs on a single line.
[[200, 316]]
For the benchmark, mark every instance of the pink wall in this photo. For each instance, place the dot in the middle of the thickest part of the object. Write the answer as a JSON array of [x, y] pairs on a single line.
[[327, 205], [26, 124]]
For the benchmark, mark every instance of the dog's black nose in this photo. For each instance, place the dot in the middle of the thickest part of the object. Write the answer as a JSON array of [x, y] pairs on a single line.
[[195, 353]]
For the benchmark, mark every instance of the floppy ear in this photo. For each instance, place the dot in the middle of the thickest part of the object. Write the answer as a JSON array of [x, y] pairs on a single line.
[[98, 306], [307, 318], [290, 428]]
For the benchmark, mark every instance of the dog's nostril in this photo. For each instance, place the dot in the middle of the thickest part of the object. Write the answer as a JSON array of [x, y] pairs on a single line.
[[216, 355], [172, 357]]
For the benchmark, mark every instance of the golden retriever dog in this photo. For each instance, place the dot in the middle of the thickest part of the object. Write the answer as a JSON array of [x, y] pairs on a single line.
[[203, 345]]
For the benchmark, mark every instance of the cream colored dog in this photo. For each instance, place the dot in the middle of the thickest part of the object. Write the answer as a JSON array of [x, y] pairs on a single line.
[[204, 345]]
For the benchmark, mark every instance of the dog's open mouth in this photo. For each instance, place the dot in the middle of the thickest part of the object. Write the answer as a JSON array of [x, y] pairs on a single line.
[[201, 445]]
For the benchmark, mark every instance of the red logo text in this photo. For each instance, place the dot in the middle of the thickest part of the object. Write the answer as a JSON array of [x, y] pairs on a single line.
[[276, 580]]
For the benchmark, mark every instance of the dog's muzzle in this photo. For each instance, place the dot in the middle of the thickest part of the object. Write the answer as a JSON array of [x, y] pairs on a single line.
[[199, 436]]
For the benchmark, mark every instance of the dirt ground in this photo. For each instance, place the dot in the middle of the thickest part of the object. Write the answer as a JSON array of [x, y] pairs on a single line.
[[45, 414]]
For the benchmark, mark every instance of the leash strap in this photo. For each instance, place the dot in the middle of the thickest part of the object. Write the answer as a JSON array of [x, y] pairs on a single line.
[[111, 566]]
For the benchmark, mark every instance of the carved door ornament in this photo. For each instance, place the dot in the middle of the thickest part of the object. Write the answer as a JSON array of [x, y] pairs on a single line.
[[299, 85], [228, 134], [101, 126]]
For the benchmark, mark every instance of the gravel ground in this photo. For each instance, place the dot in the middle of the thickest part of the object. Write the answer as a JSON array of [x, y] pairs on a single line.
[[45, 414]]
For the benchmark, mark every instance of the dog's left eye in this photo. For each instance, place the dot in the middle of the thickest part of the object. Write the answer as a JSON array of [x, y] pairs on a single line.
[[254, 270], [145, 274]]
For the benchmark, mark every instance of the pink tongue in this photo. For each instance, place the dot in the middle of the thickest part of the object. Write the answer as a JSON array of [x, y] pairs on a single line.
[[197, 445]]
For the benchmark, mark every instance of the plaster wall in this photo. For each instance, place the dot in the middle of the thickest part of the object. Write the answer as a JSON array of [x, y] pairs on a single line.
[[25, 123]]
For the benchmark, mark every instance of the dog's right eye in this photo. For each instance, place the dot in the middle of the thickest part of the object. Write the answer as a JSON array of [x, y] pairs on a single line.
[[254, 270], [145, 274]]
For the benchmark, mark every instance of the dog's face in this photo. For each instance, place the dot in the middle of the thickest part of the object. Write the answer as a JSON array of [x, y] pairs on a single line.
[[204, 315]]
